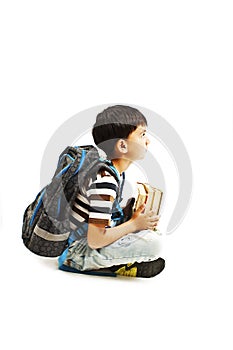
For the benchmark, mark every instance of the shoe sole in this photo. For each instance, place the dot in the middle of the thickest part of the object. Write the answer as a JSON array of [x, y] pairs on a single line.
[[143, 269]]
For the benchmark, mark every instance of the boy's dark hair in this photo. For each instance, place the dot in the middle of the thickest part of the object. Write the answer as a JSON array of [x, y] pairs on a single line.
[[114, 123]]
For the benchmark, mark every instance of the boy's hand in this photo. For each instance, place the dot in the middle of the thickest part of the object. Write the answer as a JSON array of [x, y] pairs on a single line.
[[144, 221]]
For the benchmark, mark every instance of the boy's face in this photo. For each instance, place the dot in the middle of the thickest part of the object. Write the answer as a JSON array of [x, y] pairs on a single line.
[[137, 143]]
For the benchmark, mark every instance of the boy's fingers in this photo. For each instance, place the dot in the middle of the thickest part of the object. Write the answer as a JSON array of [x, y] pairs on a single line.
[[140, 209], [153, 213], [154, 218]]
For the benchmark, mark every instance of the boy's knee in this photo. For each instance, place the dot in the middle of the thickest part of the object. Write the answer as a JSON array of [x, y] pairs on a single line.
[[152, 242]]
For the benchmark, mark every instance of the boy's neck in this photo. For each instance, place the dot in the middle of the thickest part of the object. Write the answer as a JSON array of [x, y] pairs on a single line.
[[121, 164]]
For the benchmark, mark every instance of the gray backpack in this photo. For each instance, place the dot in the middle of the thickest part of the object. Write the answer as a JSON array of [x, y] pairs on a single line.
[[46, 223]]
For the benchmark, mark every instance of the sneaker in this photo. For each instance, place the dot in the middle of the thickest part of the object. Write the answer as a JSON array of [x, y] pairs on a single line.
[[143, 269]]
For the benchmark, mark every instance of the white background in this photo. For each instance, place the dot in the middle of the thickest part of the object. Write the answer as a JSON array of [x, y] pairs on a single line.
[[174, 57]]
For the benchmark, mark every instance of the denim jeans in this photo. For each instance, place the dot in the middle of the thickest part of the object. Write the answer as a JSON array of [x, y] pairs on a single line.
[[134, 247]]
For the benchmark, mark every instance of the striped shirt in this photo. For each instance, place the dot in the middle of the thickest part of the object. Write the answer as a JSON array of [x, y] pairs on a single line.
[[96, 207]]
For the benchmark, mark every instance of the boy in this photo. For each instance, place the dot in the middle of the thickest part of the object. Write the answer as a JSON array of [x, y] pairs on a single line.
[[130, 248]]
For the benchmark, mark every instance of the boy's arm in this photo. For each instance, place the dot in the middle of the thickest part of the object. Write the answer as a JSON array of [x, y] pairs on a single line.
[[98, 236]]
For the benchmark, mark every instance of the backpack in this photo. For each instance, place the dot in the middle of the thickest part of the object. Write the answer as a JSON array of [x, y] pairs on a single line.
[[46, 225]]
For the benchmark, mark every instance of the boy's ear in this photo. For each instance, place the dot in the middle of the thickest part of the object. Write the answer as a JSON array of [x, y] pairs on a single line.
[[122, 146]]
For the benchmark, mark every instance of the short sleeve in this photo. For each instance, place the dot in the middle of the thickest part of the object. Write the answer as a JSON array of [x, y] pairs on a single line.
[[101, 195]]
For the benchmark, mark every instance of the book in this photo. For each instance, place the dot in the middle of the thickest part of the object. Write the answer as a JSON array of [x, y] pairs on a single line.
[[149, 195]]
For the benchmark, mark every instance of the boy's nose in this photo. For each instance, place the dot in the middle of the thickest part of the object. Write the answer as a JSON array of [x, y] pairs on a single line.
[[147, 141]]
